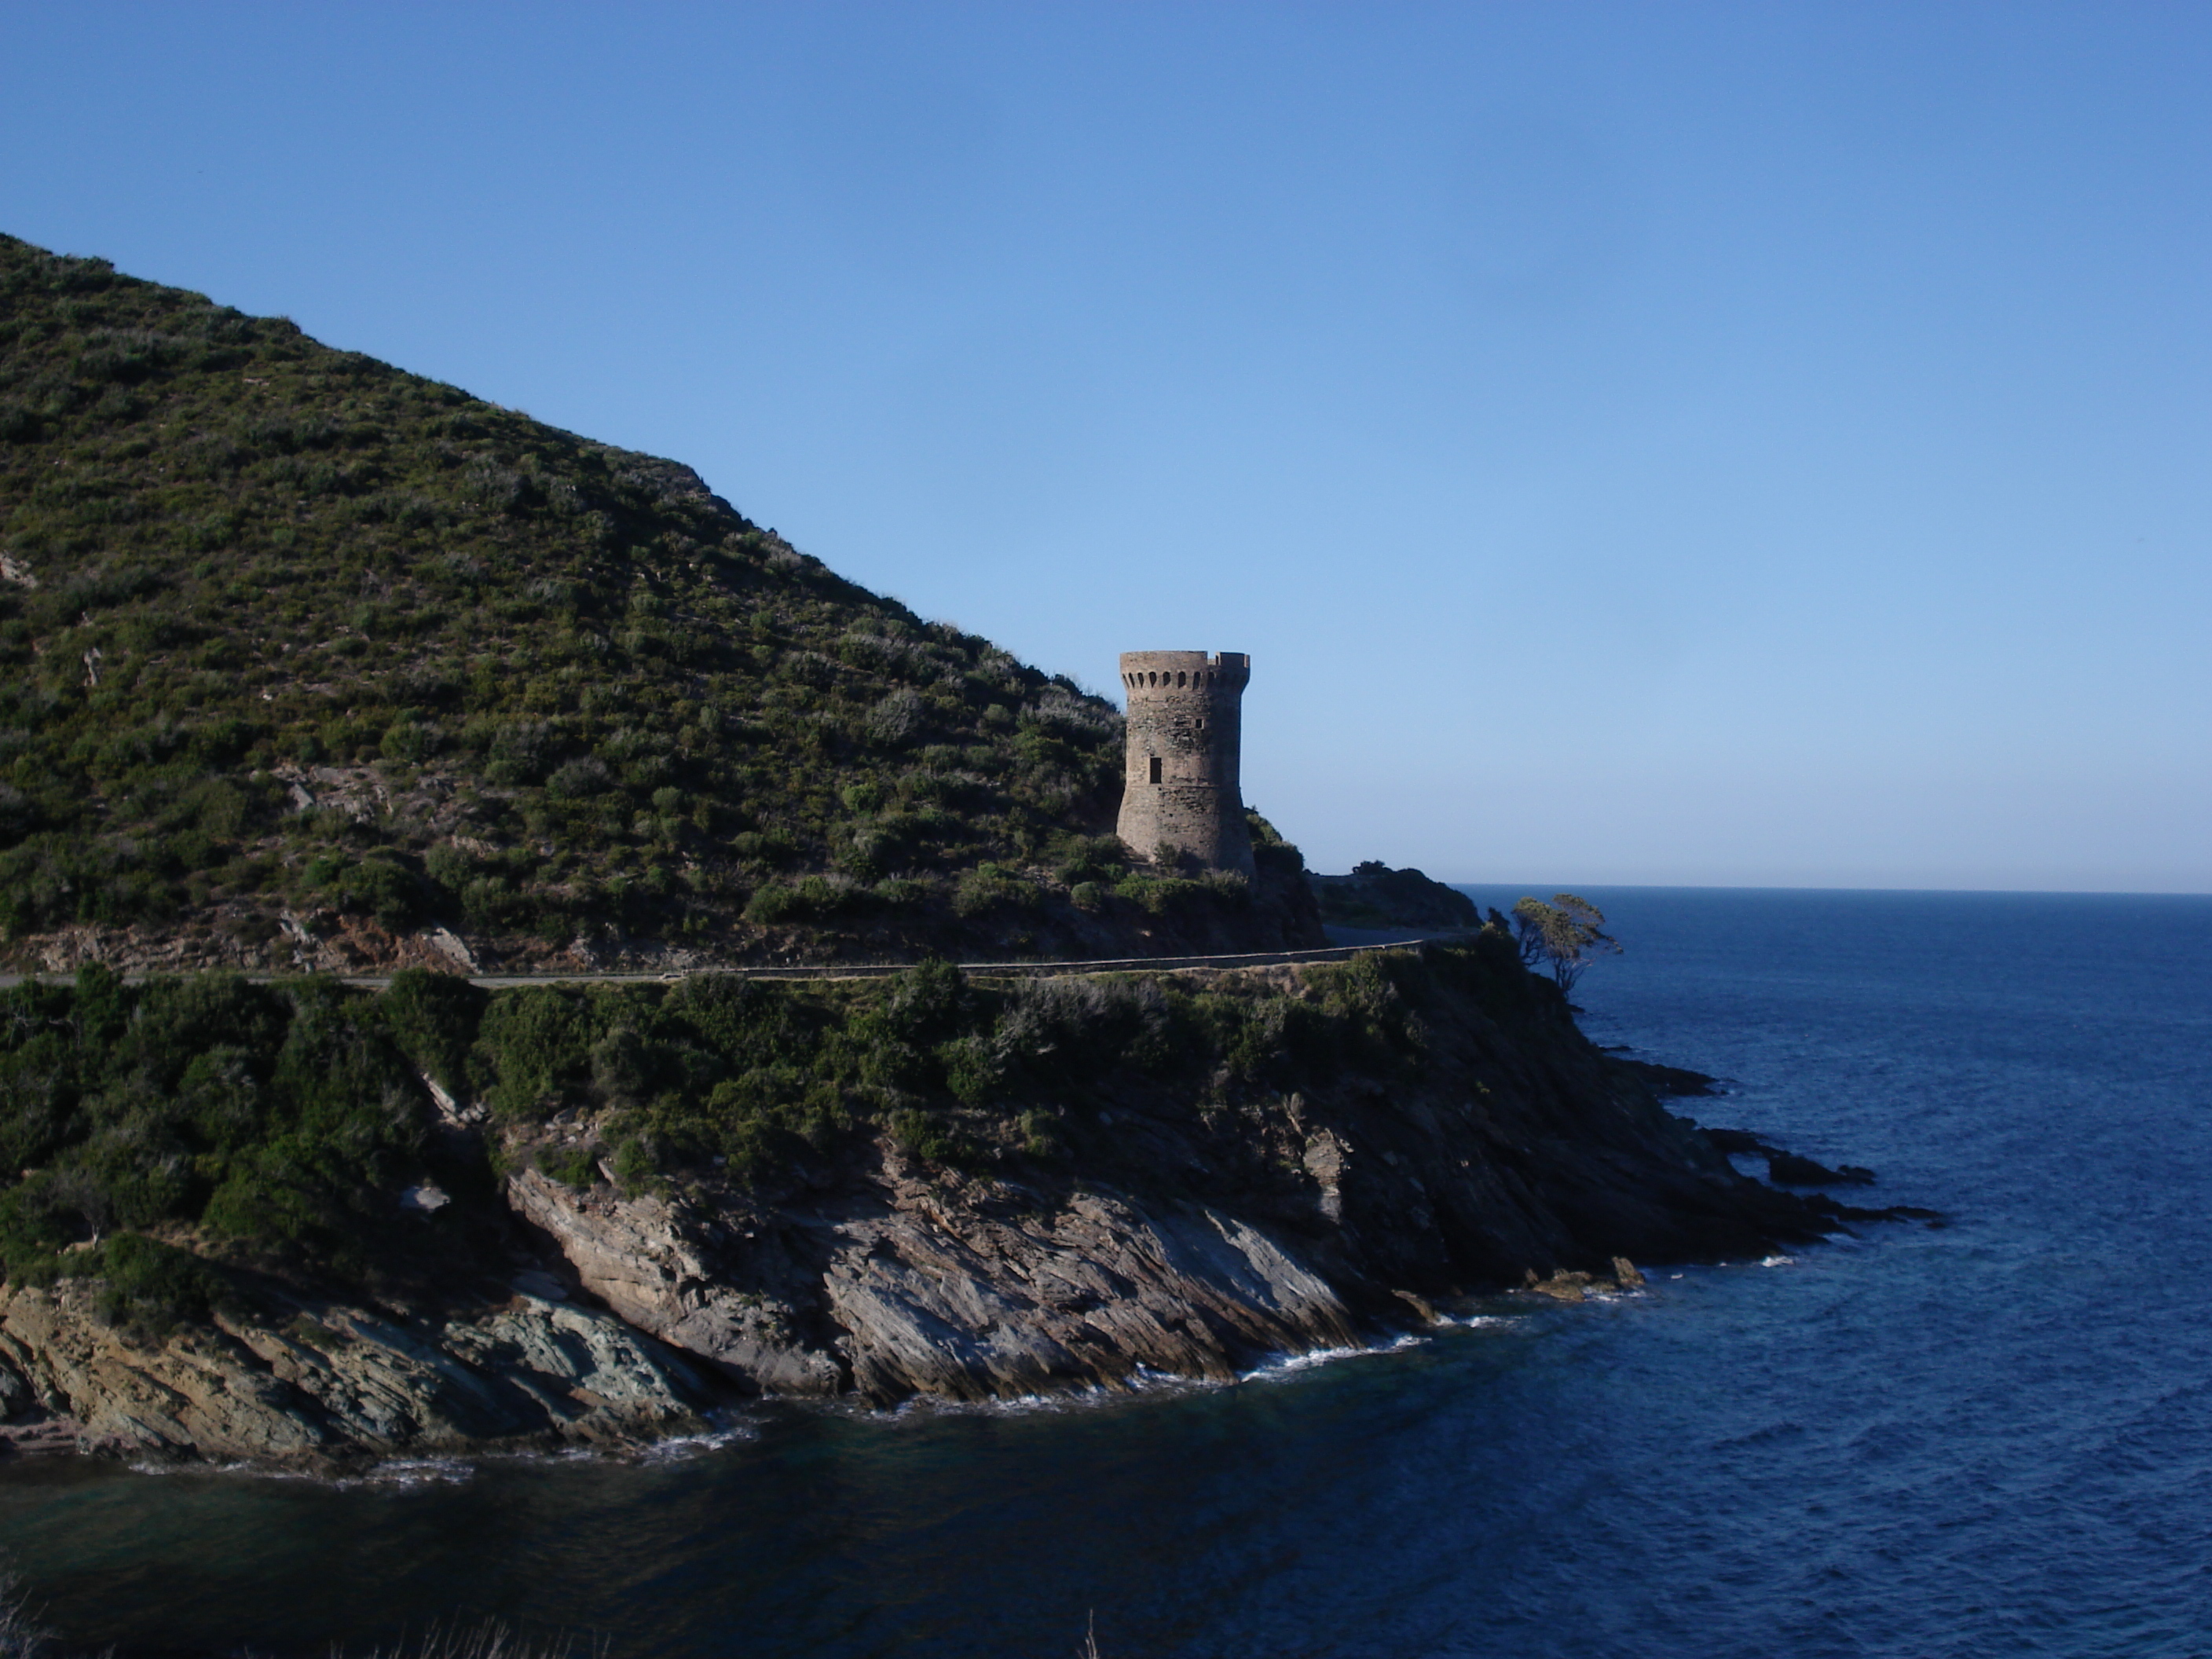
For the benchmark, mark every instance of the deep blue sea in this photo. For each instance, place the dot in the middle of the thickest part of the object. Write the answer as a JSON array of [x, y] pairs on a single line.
[[1990, 1437]]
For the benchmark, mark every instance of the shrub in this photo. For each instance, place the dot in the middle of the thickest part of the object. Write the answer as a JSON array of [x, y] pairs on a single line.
[[1059, 1033], [635, 1168], [989, 885], [572, 1166], [405, 740], [530, 1042], [151, 1287], [579, 779], [449, 867], [435, 1018], [973, 1069], [898, 718], [1040, 1134], [379, 885], [924, 1136], [773, 904], [622, 1066], [1162, 895], [1096, 859]]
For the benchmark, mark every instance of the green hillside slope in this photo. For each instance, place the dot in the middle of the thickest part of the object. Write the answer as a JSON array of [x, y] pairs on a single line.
[[312, 662]]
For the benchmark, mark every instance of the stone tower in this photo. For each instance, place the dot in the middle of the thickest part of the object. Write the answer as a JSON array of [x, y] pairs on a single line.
[[1184, 725]]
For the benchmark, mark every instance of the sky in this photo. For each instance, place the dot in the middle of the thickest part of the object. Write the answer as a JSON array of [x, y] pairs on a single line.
[[1758, 444]]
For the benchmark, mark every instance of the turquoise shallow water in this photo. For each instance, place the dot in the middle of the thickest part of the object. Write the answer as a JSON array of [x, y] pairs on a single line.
[[1993, 1437]]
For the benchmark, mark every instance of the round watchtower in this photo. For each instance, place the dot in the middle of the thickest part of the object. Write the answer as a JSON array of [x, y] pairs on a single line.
[[1180, 793]]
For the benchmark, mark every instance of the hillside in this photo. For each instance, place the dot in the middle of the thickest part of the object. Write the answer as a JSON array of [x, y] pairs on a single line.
[[311, 662]]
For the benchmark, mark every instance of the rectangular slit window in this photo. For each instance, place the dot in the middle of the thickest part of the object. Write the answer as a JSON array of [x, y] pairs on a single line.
[[1156, 769]]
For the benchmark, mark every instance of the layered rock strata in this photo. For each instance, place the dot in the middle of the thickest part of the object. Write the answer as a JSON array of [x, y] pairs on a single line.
[[336, 1381], [909, 1286]]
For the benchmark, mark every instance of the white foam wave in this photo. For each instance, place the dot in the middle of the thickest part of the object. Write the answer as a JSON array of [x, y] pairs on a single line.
[[920, 1406], [397, 1472], [1143, 1381], [682, 1447], [411, 1472], [1778, 1261], [1288, 1365]]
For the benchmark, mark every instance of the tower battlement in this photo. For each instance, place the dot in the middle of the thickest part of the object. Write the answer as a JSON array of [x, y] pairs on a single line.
[[1149, 673], [1181, 791]]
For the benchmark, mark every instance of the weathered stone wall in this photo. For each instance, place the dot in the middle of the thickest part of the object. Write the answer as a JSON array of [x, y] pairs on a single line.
[[1184, 737]]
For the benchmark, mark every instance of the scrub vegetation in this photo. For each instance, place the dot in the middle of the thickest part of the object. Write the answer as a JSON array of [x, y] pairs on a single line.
[[302, 657], [184, 1137]]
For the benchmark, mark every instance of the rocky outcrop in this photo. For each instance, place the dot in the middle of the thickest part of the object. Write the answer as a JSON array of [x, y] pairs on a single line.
[[967, 1305], [338, 1381], [965, 1290], [1191, 1242], [724, 1288], [1785, 1168], [1672, 1081]]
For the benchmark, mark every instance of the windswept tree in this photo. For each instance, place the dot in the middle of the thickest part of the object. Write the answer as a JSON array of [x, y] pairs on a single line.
[[1562, 938]]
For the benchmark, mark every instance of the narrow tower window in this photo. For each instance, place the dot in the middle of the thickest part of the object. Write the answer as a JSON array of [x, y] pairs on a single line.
[[1156, 769]]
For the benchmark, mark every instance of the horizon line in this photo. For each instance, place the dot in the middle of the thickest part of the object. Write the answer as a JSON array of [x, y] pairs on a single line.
[[1810, 887]]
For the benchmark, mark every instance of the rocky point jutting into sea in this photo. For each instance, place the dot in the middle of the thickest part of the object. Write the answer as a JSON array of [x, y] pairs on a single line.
[[1178, 1175]]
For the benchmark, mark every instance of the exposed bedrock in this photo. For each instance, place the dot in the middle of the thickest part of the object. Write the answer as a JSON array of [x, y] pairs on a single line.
[[335, 1380], [909, 1286]]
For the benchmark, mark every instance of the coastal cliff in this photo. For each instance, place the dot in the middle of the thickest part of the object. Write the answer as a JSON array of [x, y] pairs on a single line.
[[962, 1190], [1191, 1236]]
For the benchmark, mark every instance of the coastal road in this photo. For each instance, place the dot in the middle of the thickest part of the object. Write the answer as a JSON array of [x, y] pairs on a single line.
[[848, 970]]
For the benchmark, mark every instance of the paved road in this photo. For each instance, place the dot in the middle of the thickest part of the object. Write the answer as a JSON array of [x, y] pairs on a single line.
[[845, 971]]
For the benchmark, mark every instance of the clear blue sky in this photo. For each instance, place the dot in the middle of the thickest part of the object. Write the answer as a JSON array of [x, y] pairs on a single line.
[[1647, 443]]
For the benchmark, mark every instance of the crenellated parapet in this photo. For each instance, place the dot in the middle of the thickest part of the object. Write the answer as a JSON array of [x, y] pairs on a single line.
[[1181, 791], [1150, 674]]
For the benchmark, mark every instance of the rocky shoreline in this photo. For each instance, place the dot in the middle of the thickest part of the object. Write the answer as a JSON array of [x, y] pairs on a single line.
[[1161, 1240]]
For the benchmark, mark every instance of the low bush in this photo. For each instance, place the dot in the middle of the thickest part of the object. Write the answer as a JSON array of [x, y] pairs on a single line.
[[573, 1166], [1162, 895], [150, 1287]]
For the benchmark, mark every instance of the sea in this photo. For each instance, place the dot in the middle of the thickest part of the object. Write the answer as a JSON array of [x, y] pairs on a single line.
[[1987, 1435]]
